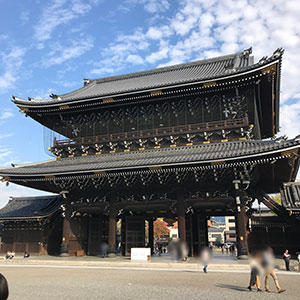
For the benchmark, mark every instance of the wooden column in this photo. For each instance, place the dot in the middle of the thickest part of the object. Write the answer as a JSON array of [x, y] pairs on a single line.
[[112, 227], [64, 248], [123, 235], [181, 216], [240, 221], [151, 235]]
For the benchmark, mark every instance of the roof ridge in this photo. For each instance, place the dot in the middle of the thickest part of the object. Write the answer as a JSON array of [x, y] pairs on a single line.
[[33, 197], [166, 68]]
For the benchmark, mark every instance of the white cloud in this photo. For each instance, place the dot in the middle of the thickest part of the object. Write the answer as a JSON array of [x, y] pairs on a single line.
[[61, 53], [151, 6], [157, 33], [57, 13], [5, 135], [24, 16], [154, 6], [6, 114], [115, 56], [134, 59], [290, 119], [10, 63], [159, 55]]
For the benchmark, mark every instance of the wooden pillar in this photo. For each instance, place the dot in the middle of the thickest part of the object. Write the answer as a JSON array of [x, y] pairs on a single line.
[[112, 228], [151, 235], [123, 236], [181, 216], [64, 248], [240, 221]]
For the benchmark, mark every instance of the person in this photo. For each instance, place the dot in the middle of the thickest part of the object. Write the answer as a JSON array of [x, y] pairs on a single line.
[[298, 259], [10, 254], [254, 274], [104, 249], [268, 263], [26, 254], [286, 257], [159, 249], [205, 256], [184, 251], [3, 288]]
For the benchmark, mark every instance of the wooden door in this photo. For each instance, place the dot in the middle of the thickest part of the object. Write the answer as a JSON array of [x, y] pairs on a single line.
[[135, 233]]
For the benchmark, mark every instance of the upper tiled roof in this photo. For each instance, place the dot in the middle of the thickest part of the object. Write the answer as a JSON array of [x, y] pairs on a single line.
[[187, 73], [290, 195], [161, 77], [157, 157], [30, 207]]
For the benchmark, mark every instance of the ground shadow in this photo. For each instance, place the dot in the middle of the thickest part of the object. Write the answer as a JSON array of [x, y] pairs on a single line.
[[233, 287]]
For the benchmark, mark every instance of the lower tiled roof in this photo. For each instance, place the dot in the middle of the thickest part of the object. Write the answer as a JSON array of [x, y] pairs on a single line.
[[199, 154], [30, 207]]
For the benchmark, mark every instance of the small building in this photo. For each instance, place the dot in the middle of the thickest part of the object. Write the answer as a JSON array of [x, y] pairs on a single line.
[[230, 232], [31, 224], [216, 235]]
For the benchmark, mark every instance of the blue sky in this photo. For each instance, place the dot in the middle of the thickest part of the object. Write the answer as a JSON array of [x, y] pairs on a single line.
[[50, 46]]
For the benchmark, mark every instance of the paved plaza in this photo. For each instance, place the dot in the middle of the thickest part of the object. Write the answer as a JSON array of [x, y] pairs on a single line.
[[92, 282]]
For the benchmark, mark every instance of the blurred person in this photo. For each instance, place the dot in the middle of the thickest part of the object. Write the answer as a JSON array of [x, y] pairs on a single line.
[[26, 254], [3, 288], [268, 263], [7, 255], [103, 249], [10, 254], [286, 257], [184, 251], [233, 249], [205, 258], [298, 259], [159, 249], [255, 271]]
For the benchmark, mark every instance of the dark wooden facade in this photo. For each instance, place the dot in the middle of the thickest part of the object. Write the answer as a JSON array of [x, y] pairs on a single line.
[[180, 142], [31, 224]]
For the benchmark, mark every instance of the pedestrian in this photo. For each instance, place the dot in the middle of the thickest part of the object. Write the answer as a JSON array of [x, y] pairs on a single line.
[[286, 257], [298, 259], [205, 257], [254, 274], [104, 249], [26, 254], [3, 288], [268, 263]]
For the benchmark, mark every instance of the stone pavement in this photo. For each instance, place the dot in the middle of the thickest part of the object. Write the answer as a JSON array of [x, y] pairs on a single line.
[[87, 282], [219, 262]]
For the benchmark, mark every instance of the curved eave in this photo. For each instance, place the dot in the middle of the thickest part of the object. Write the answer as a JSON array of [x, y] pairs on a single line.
[[209, 163], [35, 218], [25, 104]]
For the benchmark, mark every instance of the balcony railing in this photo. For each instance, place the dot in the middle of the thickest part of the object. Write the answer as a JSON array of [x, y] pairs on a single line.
[[157, 132]]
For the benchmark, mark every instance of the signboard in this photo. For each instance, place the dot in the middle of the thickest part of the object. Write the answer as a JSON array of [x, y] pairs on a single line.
[[140, 254]]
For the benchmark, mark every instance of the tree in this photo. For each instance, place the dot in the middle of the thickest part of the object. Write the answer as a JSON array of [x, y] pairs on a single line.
[[160, 229], [277, 198]]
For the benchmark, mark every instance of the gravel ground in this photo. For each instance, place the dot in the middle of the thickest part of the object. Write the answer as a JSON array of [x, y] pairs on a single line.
[[91, 283]]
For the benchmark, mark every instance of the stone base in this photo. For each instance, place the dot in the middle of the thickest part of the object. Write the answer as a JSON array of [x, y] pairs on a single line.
[[64, 255], [243, 257], [112, 255]]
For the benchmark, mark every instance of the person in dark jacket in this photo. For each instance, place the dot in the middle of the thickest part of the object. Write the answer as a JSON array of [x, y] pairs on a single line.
[[3, 288], [286, 257]]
